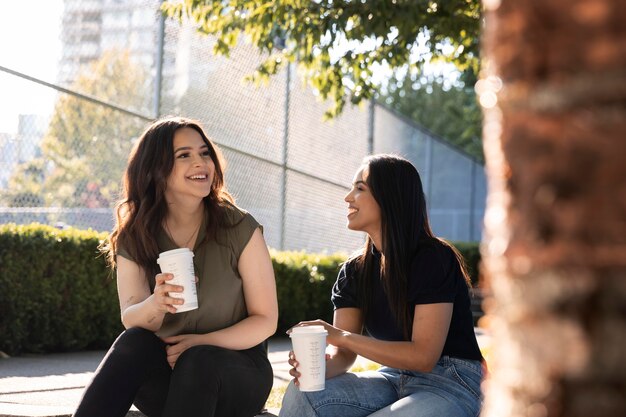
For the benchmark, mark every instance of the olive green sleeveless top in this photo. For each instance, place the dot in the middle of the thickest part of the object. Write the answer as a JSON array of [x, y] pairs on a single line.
[[220, 290]]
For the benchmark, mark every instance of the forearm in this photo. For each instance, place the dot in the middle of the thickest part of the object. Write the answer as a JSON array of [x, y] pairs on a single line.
[[144, 314], [339, 362], [248, 333], [401, 355]]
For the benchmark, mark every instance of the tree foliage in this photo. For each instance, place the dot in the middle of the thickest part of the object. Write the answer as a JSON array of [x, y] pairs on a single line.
[[339, 45], [86, 146], [449, 110]]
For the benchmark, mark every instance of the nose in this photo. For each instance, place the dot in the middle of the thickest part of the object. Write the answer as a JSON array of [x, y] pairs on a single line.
[[348, 197], [198, 160]]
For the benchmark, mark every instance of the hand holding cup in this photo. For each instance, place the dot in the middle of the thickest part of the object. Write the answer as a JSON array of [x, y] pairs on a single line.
[[165, 303], [179, 264], [294, 365], [309, 344]]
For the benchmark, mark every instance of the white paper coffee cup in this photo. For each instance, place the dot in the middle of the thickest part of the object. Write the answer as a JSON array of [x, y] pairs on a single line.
[[179, 262], [309, 346]]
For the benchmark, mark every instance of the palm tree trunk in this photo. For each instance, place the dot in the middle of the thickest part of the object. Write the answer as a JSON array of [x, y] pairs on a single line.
[[554, 93]]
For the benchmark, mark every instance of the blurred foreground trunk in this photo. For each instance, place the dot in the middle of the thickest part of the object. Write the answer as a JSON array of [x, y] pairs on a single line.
[[554, 93]]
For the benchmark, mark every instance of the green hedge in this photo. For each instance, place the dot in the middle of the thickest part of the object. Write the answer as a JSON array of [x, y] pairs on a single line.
[[58, 295], [471, 254], [303, 283]]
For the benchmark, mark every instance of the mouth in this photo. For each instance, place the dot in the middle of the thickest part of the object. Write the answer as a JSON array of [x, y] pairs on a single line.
[[198, 177], [352, 211]]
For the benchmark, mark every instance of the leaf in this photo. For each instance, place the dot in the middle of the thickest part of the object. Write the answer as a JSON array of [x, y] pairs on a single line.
[[310, 29]]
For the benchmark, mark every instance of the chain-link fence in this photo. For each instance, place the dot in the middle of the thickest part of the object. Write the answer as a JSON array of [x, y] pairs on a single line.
[[122, 65]]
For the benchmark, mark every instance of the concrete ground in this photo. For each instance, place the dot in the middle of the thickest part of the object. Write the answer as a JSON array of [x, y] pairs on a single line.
[[51, 385]]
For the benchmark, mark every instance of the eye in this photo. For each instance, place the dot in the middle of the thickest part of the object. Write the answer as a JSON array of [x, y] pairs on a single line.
[[182, 155], [206, 154]]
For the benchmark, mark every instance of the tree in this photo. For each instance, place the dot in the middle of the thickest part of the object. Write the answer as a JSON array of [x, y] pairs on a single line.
[[447, 109], [87, 145], [339, 45], [555, 249], [25, 185]]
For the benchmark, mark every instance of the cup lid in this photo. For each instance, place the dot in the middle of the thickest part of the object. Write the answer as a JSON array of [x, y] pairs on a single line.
[[308, 330], [173, 252]]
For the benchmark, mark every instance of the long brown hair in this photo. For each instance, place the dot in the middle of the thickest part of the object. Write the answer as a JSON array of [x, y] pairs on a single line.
[[142, 209], [397, 188]]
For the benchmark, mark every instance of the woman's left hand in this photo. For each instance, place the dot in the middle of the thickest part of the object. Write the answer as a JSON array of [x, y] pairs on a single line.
[[334, 334], [178, 344]]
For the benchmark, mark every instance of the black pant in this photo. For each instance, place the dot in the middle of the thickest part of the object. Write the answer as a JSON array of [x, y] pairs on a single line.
[[206, 381]]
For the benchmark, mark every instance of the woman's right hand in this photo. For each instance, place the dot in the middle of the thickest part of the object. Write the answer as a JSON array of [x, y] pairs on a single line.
[[294, 364], [161, 296]]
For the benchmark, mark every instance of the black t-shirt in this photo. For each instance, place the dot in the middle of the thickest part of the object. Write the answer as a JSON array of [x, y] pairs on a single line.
[[435, 277]]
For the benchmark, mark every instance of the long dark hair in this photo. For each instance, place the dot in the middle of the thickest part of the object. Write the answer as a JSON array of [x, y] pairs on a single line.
[[397, 188], [142, 209]]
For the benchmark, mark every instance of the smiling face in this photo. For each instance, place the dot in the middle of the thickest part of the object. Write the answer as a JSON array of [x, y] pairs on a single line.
[[193, 171], [363, 210]]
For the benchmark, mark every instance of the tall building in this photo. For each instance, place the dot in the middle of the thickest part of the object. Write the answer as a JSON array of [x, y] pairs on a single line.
[[21, 147], [30, 130], [7, 158], [91, 27]]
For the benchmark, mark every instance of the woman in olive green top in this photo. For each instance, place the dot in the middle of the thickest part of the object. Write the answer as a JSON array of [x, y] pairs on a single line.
[[204, 362]]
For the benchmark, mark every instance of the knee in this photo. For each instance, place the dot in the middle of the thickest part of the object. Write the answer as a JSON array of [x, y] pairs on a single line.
[[216, 366], [201, 361], [138, 340], [295, 403], [136, 336]]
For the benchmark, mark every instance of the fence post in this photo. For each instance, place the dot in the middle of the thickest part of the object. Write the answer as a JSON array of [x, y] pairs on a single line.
[[370, 127], [428, 171], [283, 185], [472, 202], [158, 80]]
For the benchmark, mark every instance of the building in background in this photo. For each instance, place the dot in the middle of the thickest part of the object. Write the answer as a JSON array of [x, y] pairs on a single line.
[[22, 146], [8, 158], [89, 28], [30, 131], [92, 27]]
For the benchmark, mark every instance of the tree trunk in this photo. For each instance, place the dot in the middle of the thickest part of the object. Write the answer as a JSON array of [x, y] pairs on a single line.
[[554, 94]]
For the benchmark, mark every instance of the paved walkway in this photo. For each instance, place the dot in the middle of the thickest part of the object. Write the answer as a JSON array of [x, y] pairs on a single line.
[[51, 385]]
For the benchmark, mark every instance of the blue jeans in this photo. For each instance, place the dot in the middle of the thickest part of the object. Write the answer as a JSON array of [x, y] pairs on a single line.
[[451, 389]]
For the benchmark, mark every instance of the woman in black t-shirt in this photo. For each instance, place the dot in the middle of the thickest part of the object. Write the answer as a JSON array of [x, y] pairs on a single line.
[[402, 301]]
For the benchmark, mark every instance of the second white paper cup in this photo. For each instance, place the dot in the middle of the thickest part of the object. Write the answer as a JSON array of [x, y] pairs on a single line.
[[309, 346], [179, 262]]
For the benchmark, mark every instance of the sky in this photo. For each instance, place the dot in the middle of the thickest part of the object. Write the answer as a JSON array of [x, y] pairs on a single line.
[[29, 43]]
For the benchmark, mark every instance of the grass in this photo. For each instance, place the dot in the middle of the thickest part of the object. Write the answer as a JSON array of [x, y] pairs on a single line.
[[276, 396], [365, 365]]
